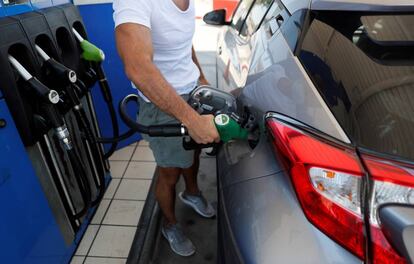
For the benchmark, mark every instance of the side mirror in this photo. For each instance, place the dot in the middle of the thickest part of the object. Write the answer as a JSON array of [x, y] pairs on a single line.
[[216, 18]]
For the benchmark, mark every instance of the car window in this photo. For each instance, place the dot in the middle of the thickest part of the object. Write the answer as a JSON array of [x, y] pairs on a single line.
[[292, 28], [255, 16], [241, 13], [363, 66]]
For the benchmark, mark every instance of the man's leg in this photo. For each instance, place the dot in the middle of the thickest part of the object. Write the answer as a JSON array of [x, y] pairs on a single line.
[[190, 175], [192, 195], [165, 192], [170, 158]]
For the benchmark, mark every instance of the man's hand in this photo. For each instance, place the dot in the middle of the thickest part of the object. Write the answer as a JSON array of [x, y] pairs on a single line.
[[203, 130]]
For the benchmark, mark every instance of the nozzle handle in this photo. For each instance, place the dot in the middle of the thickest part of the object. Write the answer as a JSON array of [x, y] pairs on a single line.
[[46, 94], [173, 130], [90, 52], [61, 71]]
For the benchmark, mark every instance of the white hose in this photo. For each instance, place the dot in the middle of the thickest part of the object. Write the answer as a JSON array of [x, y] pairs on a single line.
[[77, 35], [20, 69], [42, 53]]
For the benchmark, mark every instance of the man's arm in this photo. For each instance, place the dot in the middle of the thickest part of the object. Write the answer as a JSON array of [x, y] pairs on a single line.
[[135, 49], [202, 79]]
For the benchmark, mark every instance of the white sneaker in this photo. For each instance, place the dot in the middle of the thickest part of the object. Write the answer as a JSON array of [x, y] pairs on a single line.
[[179, 242], [198, 203]]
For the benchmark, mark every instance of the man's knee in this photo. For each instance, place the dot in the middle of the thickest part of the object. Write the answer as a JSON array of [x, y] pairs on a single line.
[[168, 176]]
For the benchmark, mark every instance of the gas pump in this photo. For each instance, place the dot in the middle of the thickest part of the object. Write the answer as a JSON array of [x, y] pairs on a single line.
[[67, 81], [49, 113]]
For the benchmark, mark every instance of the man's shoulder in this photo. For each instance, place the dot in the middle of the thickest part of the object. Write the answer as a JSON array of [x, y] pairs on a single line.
[[150, 3], [144, 3]]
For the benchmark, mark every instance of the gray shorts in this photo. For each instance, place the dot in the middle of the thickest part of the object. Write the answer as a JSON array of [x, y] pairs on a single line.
[[168, 151]]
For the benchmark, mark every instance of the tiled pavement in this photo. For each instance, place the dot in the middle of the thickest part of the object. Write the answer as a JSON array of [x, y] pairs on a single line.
[[109, 237]]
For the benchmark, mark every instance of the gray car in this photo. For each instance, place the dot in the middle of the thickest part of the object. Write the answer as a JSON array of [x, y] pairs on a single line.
[[331, 177]]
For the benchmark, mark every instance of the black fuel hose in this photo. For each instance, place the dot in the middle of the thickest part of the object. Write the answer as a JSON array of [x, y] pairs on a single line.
[[57, 123], [170, 130], [107, 95], [84, 124], [80, 88], [78, 168], [121, 137], [82, 182]]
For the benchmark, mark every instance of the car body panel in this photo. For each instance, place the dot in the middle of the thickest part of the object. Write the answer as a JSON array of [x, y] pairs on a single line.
[[233, 65]]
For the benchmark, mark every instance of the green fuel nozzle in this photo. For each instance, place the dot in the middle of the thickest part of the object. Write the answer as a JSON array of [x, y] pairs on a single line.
[[229, 129], [90, 52]]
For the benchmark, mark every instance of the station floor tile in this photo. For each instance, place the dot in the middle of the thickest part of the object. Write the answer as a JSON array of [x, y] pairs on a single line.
[[109, 236], [113, 241], [123, 212]]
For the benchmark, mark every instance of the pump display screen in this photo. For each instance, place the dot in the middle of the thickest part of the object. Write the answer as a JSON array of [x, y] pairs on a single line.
[[14, 2]]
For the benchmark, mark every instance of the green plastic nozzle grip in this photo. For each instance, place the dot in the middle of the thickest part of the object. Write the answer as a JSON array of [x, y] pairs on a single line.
[[91, 52], [229, 129]]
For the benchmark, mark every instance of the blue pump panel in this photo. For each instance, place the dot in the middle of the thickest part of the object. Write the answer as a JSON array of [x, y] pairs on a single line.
[[61, 2], [29, 233], [2, 13], [38, 4], [15, 7]]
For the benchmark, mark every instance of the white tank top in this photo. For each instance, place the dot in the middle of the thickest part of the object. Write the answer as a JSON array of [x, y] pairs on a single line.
[[172, 32]]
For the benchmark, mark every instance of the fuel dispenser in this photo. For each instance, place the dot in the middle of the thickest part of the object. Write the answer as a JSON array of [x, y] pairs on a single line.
[[46, 86]]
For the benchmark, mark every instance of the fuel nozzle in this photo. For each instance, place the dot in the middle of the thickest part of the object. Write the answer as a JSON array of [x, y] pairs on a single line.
[[228, 128], [90, 52], [95, 55], [64, 74], [47, 95], [49, 98], [63, 135]]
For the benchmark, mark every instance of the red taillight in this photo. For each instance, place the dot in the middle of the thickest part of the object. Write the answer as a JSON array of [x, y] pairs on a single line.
[[392, 183], [327, 181], [382, 251]]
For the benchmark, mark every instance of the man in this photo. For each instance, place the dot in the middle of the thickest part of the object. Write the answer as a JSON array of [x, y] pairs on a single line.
[[154, 40]]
